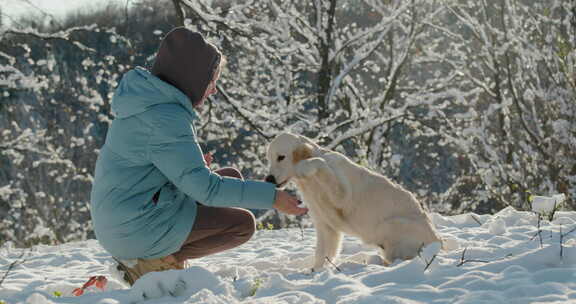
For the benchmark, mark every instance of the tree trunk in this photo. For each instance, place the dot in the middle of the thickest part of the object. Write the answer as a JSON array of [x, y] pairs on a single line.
[[325, 74], [179, 12]]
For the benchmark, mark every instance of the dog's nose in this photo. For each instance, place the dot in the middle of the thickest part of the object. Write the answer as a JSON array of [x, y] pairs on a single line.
[[270, 179]]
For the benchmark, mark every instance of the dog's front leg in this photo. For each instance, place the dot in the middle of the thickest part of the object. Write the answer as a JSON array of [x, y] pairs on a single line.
[[328, 243], [336, 188]]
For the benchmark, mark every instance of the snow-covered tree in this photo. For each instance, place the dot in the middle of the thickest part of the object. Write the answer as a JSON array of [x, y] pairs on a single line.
[[344, 73], [56, 83], [52, 115], [469, 104], [516, 64]]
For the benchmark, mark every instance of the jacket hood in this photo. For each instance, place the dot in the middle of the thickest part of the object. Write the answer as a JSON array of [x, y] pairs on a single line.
[[139, 90], [186, 61]]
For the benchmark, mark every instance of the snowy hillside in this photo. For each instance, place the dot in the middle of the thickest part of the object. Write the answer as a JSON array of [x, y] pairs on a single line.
[[509, 257]]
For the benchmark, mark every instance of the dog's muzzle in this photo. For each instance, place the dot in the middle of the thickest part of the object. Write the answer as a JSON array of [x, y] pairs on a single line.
[[270, 179]]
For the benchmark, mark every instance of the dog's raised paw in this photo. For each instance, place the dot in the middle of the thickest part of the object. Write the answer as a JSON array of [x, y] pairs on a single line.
[[305, 169]]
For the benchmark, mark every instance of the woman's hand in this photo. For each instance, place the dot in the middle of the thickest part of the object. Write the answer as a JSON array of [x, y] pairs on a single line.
[[208, 159], [287, 203]]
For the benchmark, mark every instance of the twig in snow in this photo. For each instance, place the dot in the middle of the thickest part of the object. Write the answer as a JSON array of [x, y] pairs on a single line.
[[301, 230], [464, 261], [569, 231], [329, 261], [539, 232], [562, 235], [561, 242], [429, 263], [476, 219], [462, 257], [18, 261]]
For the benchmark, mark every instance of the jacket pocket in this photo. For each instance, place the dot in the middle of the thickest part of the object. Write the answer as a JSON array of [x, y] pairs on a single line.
[[166, 195]]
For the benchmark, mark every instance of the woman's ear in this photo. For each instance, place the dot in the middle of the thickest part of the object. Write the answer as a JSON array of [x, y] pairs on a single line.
[[304, 151]]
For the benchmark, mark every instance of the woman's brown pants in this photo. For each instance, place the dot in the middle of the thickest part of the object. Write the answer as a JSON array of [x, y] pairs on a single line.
[[217, 228]]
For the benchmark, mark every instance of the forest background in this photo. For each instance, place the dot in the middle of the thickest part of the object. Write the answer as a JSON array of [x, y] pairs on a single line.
[[470, 104]]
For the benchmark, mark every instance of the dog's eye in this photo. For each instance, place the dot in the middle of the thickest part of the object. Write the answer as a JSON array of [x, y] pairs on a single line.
[[281, 158]]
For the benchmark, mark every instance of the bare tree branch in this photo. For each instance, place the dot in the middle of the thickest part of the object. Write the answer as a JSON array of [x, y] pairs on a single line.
[[46, 14], [365, 127], [60, 36], [179, 12], [254, 126]]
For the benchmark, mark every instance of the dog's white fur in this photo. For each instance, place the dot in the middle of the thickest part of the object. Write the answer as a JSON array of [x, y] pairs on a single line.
[[344, 197]]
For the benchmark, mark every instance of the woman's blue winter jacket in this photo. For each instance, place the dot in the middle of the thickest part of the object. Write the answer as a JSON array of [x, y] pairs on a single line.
[[151, 146]]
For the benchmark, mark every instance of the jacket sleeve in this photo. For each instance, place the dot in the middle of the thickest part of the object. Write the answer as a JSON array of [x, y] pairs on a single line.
[[173, 149]]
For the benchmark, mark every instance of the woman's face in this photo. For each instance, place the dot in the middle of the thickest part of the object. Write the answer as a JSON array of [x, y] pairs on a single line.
[[211, 89]]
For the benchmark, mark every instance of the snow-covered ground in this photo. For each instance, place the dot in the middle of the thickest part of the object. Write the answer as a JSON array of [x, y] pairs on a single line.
[[505, 258]]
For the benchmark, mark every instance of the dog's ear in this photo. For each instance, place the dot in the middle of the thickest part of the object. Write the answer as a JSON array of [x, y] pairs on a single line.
[[303, 151]]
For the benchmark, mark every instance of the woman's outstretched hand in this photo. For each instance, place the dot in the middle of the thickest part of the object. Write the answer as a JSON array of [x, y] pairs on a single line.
[[287, 203], [208, 159]]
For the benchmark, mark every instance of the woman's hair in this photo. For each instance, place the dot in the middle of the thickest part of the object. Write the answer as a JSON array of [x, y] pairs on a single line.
[[220, 61]]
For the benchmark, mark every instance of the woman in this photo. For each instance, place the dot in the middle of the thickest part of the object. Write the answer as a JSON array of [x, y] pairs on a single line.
[[151, 173]]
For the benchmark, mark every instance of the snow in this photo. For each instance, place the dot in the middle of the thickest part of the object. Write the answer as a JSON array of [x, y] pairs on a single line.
[[547, 204], [509, 257]]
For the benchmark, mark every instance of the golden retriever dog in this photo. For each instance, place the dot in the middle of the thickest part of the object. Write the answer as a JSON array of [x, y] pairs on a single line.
[[344, 197]]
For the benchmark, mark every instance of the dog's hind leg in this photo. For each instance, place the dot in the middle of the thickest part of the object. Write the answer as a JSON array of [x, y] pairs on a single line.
[[328, 243], [401, 250]]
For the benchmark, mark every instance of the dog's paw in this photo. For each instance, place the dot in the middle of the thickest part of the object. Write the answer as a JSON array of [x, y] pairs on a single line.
[[317, 269]]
